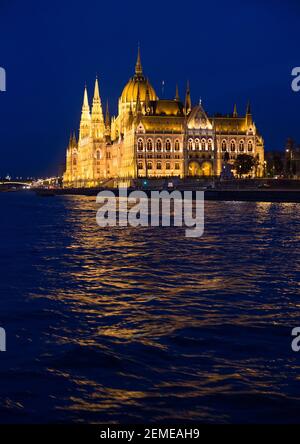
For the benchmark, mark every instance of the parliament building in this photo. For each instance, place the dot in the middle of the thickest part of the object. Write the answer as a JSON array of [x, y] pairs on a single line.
[[156, 138]]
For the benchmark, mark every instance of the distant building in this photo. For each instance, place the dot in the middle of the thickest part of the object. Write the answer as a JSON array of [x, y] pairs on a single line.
[[275, 163], [292, 159], [152, 137]]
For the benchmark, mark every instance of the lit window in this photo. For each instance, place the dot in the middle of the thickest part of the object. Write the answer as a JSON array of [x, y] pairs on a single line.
[[190, 144], [177, 145], [140, 145], [149, 145], [98, 155], [168, 145]]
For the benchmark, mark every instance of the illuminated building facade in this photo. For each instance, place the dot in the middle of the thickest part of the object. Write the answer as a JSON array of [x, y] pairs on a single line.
[[156, 138]]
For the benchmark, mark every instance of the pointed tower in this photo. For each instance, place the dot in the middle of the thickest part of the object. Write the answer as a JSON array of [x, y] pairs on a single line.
[[107, 123], [188, 101], [85, 123], [74, 140], [147, 99], [97, 114], [177, 98], [70, 141], [249, 120], [235, 113]]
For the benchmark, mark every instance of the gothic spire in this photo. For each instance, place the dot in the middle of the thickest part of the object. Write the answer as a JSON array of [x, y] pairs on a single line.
[[107, 116], [235, 113], [248, 112], [177, 98], [147, 99], [97, 113], [188, 101], [74, 139], [138, 102], [85, 106], [85, 123], [249, 120]]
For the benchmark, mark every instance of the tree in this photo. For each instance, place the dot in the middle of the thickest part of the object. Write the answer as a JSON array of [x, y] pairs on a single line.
[[244, 164]]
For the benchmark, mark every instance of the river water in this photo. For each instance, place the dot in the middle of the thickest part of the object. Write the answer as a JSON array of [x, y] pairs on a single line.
[[131, 325]]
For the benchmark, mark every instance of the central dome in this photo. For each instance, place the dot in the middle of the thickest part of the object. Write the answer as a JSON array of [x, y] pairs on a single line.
[[138, 85]]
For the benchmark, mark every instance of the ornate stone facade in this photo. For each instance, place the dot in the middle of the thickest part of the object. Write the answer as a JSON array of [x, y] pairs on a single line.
[[157, 138]]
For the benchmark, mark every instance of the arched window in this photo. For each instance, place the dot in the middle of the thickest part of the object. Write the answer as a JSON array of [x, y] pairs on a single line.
[[177, 166], [149, 165], [168, 166], [242, 146], [250, 146], [190, 144], [210, 144], [203, 144], [177, 145], [232, 146], [140, 145], [197, 144], [74, 161], [224, 146], [98, 155], [158, 166], [149, 145], [140, 166], [168, 145], [158, 145]]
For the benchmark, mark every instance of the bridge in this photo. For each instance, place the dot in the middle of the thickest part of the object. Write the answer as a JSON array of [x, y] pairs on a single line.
[[8, 184], [11, 182]]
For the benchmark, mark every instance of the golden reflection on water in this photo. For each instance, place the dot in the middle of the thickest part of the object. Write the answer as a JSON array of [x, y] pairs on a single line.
[[184, 319]]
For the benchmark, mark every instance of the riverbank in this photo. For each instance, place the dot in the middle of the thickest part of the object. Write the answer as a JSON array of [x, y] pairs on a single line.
[[235, 195]]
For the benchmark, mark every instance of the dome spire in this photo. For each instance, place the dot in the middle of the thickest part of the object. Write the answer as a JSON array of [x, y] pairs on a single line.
[[138, 66]]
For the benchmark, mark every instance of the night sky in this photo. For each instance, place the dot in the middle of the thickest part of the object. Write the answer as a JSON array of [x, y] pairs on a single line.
[[231, 51]]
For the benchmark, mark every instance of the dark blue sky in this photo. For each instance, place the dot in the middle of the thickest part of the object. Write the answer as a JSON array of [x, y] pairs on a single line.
[[231, 51]]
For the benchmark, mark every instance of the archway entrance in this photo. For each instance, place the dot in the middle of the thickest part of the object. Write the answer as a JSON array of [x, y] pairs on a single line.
[[194, 169], [206, 169], [203, 170]]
